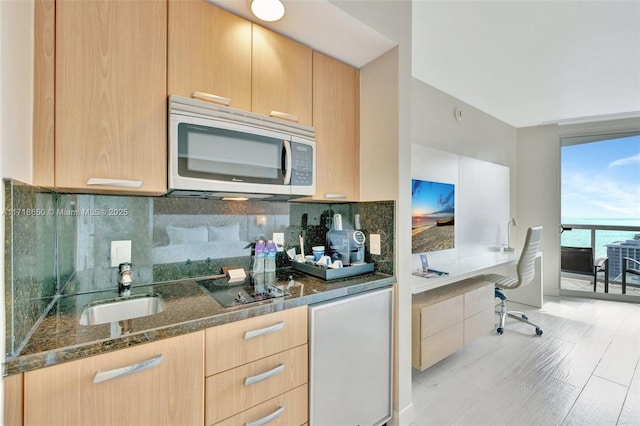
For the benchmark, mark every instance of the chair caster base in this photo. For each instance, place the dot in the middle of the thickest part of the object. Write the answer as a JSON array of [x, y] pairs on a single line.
[[538, 332], [500, 330], [525, 317]]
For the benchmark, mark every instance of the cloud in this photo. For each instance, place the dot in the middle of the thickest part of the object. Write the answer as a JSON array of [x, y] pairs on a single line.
[[586, 195], [625, 161]]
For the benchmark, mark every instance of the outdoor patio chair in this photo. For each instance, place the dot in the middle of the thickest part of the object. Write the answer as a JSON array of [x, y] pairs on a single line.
[[630, 266], [579, 260]]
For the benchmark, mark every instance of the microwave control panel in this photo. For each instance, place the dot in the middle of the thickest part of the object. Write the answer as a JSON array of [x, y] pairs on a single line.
[[302, 164]]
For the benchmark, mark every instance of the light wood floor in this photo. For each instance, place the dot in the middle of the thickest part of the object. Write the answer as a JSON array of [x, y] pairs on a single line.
[[584, 370]]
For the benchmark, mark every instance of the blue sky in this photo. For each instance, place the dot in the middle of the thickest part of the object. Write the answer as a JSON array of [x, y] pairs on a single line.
[[602, 179], [431, 197]]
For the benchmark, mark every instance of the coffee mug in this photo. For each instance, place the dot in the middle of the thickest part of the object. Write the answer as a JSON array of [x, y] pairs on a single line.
[[324, 261], [337, 264], [318, 252]]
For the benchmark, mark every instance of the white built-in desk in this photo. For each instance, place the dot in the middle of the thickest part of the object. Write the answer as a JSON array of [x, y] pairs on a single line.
[[493, 262], [450, 311]]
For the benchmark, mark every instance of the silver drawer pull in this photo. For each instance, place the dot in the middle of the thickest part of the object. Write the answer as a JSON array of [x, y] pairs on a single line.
[[263, 376], [211, 98], [267, 419], [115, 182], [103, 376], [284, 116], [267, 330]]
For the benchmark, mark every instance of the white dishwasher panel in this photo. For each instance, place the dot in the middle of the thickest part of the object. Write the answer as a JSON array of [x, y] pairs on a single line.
[[351, 343]]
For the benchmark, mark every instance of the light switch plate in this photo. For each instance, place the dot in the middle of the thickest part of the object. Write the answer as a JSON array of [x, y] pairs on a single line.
[[120, 252], [374, 244]]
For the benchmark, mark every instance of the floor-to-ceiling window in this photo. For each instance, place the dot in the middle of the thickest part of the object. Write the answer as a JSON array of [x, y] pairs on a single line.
[[600, 214]]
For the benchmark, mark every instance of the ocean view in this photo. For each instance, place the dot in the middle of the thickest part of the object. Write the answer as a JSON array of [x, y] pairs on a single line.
[[582, 237]]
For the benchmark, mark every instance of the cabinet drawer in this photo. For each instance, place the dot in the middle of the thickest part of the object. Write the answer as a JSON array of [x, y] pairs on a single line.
[[240, 342], [436, 318], [478, 300], [478, 325], [231, 392], [291, 406], [439, 346], [167, 393]]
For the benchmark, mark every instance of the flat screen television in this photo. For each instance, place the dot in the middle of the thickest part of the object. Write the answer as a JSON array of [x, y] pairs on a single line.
[[432, 216]]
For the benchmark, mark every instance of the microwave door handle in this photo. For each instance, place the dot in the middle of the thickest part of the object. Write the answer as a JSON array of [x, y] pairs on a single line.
[[287, 162]]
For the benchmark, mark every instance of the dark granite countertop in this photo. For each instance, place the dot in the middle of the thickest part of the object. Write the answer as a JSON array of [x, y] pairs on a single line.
[[59, 337]]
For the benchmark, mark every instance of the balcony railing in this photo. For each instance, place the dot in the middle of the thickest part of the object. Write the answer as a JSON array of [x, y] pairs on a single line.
[[598, 237]]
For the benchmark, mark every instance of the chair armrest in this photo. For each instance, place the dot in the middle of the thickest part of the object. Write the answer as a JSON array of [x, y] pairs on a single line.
[[601, 262], [628, 259]]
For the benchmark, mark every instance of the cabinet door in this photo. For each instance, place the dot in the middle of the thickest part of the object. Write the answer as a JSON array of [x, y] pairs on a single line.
[[13, 397], [110, 99], [281, 75], [169, 393], [209, 51], [336, 100]]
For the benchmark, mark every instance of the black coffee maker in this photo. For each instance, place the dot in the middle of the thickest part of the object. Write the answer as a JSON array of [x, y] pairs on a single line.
[[356, 251]]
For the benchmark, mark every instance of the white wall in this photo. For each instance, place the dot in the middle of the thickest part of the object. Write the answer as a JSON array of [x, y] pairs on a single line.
[[16, 106], [482, 201], [478, 135]]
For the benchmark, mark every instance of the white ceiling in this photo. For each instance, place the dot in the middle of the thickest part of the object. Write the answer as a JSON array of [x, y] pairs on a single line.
[[532, 62], [523, 62]]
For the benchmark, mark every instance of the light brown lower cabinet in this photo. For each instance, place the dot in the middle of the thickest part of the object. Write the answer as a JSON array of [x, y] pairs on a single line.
[[258, 369], [13, 398], [243, 387], [288, 409], [167, 393], [448, 318]]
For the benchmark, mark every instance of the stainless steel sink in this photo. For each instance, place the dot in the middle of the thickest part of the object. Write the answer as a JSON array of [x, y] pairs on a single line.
[[114, 310]]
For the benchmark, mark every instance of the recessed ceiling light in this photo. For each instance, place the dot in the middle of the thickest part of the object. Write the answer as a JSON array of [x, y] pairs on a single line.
[[267, 10]]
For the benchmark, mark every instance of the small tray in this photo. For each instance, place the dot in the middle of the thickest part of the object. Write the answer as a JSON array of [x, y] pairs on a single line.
[[331, 274]]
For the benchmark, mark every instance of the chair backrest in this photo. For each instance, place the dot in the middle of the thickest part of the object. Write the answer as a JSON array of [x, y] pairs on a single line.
[[526, 263], [578, 260]]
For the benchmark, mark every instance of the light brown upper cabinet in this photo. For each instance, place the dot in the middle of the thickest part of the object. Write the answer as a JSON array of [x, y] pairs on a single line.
[[110, 97], [281, 76], [210, 52], [336, 118]]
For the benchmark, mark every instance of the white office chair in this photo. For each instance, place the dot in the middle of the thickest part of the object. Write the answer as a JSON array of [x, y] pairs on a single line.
[[526, 272]]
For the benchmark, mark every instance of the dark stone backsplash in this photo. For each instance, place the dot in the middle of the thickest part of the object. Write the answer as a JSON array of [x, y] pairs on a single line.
[[61, 243]]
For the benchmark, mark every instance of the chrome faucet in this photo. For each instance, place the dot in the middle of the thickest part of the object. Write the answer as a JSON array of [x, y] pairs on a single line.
[[125, 279]]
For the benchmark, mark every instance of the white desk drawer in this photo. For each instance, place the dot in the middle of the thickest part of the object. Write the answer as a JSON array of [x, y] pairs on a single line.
[[478, 300], [439, 346], [437, 317]]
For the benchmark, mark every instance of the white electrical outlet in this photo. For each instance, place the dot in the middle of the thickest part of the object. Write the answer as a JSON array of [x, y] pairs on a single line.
[[120, 252], [374, 244], [278, 238]]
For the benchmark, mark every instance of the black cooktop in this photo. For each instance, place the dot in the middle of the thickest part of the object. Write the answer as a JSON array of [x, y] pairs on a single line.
[[254, 289]]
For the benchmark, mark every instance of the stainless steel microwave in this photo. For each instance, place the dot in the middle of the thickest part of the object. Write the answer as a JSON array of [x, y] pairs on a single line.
[[217, 151]]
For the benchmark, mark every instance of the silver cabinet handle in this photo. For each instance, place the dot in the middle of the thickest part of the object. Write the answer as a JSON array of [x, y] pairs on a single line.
[[212, 98], [267, 330], [115, 182], [103, 376], [248, 381], [267, 419], [284, 116], [335, 196]]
